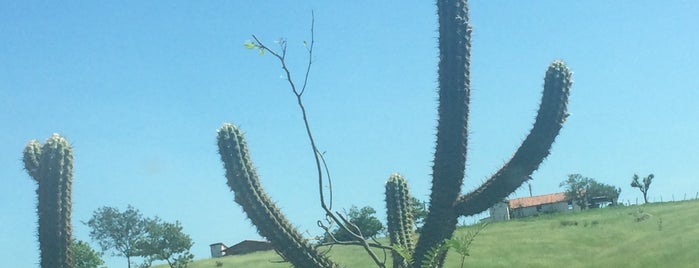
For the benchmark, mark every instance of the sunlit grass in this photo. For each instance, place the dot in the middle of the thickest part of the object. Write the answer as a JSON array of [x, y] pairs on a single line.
[[608, 237]]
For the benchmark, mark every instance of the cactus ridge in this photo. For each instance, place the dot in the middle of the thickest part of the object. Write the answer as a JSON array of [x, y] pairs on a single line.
[[399, 217], [51, 166], [264, 214]]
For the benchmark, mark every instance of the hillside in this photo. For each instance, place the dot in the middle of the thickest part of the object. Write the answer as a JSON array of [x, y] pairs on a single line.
[[654, 235]]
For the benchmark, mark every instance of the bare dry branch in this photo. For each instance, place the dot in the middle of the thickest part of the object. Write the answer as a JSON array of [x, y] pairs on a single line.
[[320, 162]]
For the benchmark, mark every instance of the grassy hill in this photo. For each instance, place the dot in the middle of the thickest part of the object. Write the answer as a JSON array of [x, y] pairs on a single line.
[[654, 235]]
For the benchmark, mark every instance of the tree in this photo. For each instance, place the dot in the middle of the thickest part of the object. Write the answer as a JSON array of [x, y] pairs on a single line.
[[576, 189], [118, 231], [165, 241], [603, 192], [84, 256], [419, 210], [643, 187], [583, 191], [364, 219]]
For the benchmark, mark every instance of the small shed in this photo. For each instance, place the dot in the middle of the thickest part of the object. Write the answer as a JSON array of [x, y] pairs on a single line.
[[217, 250]]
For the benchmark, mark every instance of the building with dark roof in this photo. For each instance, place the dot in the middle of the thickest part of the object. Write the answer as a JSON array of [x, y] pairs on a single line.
[[244, 247]]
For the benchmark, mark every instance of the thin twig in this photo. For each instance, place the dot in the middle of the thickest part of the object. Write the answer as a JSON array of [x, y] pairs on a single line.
[[330, 182], [319, 159], [310, 52]]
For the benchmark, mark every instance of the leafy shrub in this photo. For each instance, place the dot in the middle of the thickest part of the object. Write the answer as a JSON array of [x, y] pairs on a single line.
[[640, 215], [565, 223]]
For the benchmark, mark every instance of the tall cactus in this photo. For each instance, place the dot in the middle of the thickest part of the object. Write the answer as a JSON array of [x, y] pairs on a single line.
[[264, 214], [447, 203], [400, 219], [51, 166]]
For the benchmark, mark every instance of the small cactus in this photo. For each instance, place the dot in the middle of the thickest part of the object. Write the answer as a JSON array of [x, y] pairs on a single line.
[[51, 166], [400, 219]]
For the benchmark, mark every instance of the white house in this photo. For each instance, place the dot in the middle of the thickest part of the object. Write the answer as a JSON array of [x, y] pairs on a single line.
[[530, 206]]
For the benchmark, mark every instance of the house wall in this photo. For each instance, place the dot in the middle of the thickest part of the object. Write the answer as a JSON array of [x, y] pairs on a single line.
[[522, 212], [248, 246], [499, 212], [543, 209], [555, 207], [217, 250]]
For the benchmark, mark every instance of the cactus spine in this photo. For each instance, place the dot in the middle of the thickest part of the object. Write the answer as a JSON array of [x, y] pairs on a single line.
[[51, 166], [400, 219], [264, 214]]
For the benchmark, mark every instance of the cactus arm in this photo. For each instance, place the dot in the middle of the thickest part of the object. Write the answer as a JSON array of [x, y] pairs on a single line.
[[399, 218], [450, 153], [536, 147], [32, 152], [264, 214]]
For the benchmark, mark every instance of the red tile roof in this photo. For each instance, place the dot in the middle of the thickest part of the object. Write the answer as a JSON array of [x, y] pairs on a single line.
[[537, 200]]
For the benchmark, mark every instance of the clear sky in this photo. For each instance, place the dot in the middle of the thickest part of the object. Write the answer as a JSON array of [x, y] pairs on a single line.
[[139, 89]]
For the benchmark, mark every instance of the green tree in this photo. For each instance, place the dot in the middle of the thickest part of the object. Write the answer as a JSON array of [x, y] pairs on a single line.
[[603, 192], [364, 219], [84, 256], [419, 210], [118, 231], [643, 187], [583, 190], [165, 242], [576, 189]]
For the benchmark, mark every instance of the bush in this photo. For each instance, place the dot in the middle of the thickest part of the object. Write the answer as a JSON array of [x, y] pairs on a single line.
[[640, 216], [565, 223]]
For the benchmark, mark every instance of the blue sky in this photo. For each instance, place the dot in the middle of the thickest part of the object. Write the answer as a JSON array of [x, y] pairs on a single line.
[[139, 89]]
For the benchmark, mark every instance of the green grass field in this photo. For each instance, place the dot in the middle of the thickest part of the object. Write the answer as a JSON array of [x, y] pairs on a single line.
[[607, 237]]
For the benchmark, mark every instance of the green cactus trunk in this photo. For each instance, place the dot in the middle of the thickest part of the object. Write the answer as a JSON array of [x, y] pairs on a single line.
[[446, 203], [264, 214], [400, 219], [452, 133], [51, 166]]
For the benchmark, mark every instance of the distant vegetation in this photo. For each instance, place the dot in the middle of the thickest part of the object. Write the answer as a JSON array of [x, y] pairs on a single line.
[[369, 225], [643, 186], [84, 256], [607, 237], [130, 235], [587, 192]]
